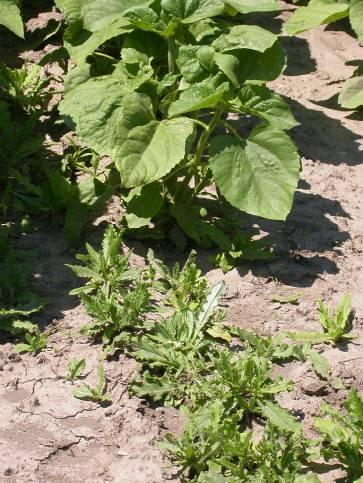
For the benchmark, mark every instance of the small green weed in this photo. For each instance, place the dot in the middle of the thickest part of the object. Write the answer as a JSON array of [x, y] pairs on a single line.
[[343, 435], [96, 394], [336, 324], [75, 369], [35, 342]]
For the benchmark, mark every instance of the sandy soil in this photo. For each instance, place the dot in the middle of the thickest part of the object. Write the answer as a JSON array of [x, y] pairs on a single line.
[[48, 435]]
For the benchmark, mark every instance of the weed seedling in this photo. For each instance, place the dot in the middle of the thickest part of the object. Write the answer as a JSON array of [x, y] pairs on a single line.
[[35, 342], [75, 369], [336, 324], [96, 394]]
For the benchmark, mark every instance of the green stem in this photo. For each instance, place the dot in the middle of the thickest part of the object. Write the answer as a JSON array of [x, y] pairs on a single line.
[[171, 50], [202, 144], [232, 130]]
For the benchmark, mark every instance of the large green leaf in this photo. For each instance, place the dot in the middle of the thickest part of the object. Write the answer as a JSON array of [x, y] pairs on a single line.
[[252, 66], [191, 11], [318, 12], [99, 14], [10, 16], [259, 176], [81, 43], [266, 104], [71, 9], [249, 37], [356, 17], [199, 96], [351, 95], [103, 110], [152, 151], [249, 6]]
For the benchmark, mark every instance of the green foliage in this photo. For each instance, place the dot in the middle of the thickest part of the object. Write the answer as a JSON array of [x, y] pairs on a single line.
[[96, 394], [336, 324], [25, 87], [75, 368], [158, 111], [18, 302], [185, 288], [290, 299], [321, 12], [35, 342], [115, 295], [343, 435], [213, 448], [10, 16]]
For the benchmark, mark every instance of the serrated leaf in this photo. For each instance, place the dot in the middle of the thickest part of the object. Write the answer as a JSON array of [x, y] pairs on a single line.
[[246, 174], [266, 104], [103, 111], [10, 17], [152, 151], [280, 418], [351, 95], [318, 12], [320, 364], [313, 337]]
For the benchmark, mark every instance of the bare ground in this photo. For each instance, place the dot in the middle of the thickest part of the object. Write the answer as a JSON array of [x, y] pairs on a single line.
[[48, 435]]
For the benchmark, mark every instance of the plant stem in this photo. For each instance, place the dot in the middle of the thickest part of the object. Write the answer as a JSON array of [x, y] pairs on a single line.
[[232, 130], [171, 50], [202, 144]]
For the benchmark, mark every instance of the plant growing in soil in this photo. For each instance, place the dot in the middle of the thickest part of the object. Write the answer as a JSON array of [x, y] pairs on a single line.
[[75, 369], [161, 112], [96, 394], [321, 12], [336, 324], [343, 435]]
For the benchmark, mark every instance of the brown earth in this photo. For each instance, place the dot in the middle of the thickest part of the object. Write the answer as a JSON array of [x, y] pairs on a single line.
[[48, 435]]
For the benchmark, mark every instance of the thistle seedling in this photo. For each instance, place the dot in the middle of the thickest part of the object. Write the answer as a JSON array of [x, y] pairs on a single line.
[[75, 369], [336, 324], [96, 394], [35, 342]]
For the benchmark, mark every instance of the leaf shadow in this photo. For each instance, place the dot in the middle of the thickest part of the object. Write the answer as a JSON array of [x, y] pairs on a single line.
[[322, 137]]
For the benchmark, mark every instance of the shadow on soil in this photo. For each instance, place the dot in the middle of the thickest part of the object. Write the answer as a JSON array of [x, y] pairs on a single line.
[[325, 139]]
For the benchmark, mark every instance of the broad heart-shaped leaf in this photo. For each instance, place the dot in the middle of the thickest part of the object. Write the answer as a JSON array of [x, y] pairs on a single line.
[[99, 14], [249, 37], [10, 17], [102, 111], [143, 203], [266, 104], [249, 6], [71, 9], [318, 12], [249, 66], [351, 95], [356, 17], [82, 43], [199, 96], [191, 11], [259, 177], [152, 151]]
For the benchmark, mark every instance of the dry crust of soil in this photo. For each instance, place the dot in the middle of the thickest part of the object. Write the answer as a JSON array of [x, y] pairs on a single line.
[[48, 435]]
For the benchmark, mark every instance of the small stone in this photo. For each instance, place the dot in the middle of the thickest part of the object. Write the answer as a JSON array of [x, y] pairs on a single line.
[[313, 387]]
